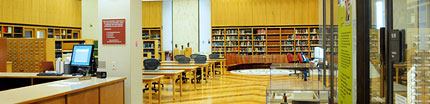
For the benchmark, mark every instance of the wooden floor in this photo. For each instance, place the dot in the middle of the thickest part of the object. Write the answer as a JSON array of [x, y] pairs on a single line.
[[225, 89]]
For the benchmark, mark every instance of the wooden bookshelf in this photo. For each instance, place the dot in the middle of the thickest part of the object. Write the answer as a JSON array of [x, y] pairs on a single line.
[[64, 47], [265, 40], [38, 32], [154, 33], [151, 46]]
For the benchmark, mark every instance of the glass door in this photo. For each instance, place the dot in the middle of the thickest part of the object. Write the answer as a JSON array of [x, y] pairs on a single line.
[[399, 51]]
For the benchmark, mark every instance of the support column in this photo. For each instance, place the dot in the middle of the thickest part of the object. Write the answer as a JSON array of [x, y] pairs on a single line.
[[124, 60]]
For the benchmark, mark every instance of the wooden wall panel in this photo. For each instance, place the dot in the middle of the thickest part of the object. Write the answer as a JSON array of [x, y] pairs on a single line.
[[151, 13], [313, 12], [273, 12], [259, 12], [265, 12], [65, 13]]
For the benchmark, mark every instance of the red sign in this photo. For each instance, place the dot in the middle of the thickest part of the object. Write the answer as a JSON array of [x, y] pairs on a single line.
[[113, 31]]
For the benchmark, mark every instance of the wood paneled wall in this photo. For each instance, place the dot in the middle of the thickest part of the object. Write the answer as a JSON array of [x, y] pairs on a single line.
[[41, 12], [264, 12], [151, 13]]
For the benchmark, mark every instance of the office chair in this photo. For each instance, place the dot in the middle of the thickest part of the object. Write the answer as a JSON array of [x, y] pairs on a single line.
[[200, 59], [291, 60], [151, 64], [302, 59], [183, 60], [305, 102], [177, 56], [193, 56], [215, 56]]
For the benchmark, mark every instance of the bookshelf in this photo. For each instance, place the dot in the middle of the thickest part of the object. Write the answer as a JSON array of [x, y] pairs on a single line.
[[150, 46], [38, 32], [153, 35], [265, 40], [64, 47]]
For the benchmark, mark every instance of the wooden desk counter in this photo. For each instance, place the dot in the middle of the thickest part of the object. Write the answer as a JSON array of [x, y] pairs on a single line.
[[18, 79], [32, 75], [69, 91]]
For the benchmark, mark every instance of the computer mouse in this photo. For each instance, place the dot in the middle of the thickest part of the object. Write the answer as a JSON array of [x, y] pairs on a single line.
[[73, 74]]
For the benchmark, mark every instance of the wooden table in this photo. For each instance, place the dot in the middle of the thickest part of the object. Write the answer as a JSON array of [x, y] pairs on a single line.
[[211, 66], [148, 79], [222, 64], [294, 66], [203, 66], [69, 91], [186, 69], [168, 73]]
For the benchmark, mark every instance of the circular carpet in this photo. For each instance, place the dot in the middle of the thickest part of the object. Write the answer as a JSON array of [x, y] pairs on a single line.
[[262, 71]]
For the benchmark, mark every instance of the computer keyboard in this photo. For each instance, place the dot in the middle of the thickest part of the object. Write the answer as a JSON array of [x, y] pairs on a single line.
[[49, 74]]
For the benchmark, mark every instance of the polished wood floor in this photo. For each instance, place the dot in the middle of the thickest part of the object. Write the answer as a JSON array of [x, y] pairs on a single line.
[[224, 89]]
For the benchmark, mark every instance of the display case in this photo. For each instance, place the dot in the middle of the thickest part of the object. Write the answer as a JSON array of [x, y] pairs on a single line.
[[284, 90]]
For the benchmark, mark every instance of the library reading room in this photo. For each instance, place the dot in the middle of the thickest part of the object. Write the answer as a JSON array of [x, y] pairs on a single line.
[[214, 51]]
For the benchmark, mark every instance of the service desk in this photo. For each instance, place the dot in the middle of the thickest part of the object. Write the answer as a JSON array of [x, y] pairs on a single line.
[[69, 91], [17, 79]]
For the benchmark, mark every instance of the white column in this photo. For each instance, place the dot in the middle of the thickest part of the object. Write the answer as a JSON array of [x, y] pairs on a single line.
[[89, 19], [205, 26], [185, 23], [167, 25], [124, 60]]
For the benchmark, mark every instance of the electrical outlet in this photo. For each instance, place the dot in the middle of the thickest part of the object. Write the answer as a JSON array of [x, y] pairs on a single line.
[[114, 65]]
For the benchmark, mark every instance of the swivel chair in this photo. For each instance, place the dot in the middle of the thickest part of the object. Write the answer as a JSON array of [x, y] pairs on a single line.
[[291, 60], [177, 56], [200, 59], [183, 60], [215, 56], [193, 56], [151, 64], [302, 59]]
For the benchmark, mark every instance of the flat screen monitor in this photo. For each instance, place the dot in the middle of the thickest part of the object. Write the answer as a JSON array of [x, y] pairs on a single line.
[[82, 55], [319, 53]]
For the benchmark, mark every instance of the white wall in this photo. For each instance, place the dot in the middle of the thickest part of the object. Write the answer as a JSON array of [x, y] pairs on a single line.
[[124, 60], [89, 19], [185, 23], [205, 25], [167, 25]]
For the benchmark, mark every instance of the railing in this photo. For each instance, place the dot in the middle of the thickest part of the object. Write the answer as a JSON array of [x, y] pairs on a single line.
[[235, 59]]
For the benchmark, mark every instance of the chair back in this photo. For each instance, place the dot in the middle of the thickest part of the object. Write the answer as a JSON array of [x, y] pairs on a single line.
[[305, 102], [183, 60], [214, 56], [300, 57], [193, 56], [151, 64], [177, 56], [290, 57], [200, 59]]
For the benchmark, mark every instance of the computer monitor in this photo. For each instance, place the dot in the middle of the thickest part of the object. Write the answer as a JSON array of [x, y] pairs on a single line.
[[82, 55], [319, 53]]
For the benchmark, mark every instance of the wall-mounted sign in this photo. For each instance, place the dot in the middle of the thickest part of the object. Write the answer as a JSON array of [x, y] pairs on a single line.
[[113, 31]]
